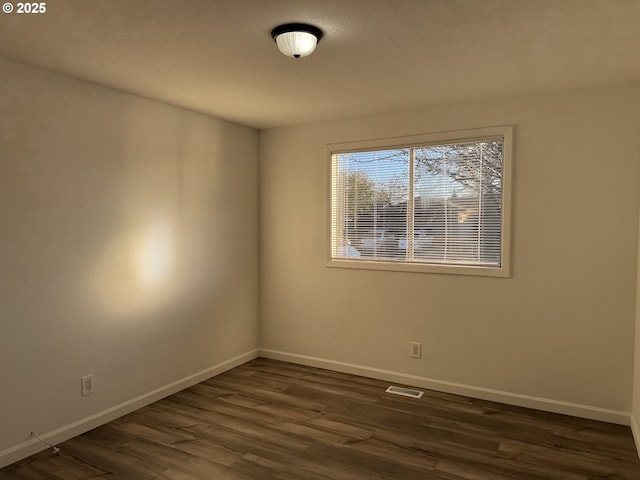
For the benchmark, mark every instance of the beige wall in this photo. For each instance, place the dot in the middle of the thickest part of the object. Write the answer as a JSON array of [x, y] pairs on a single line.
[[128, 247], [561, 328], [635, 412]]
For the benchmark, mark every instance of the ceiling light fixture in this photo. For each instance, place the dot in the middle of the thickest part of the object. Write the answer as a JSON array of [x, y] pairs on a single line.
[[296, 39]]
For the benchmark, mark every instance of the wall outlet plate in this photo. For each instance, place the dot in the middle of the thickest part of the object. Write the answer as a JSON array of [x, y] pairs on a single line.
[[415, 349], [86, 385]]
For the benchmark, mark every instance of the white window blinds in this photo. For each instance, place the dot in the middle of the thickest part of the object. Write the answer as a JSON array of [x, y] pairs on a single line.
[[438, 204]]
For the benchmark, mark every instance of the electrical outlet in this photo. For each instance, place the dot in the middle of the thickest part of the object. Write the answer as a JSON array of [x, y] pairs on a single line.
[[86, 385], [416, 349]]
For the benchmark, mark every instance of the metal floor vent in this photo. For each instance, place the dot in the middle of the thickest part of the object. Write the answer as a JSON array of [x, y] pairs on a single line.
[[406, 392]]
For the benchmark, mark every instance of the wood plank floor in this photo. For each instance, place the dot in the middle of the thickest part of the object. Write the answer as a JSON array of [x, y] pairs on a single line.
[[275, 420]]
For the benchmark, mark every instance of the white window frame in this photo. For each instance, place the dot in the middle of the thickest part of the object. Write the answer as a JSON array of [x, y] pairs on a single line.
[[466, 136]]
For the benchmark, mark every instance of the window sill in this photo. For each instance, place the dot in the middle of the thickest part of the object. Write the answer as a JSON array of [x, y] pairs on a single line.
[[502, 272]]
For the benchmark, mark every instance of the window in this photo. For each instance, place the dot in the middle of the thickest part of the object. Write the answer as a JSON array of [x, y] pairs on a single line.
[[434, 203]]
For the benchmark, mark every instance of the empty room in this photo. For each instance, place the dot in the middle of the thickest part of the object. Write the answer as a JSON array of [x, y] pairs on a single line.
[[320, 239]]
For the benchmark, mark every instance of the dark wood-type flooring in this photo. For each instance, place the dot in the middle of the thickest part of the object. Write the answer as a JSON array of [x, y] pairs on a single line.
[[275, 420]]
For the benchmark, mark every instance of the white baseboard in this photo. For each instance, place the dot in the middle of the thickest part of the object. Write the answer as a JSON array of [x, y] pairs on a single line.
[[32, 446], [546, 404], [635, 429]]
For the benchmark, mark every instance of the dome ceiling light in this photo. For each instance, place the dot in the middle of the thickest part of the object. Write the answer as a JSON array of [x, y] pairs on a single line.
[[296, 40]]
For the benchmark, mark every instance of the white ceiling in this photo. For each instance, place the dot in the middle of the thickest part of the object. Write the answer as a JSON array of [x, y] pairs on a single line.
[[376, 56]]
